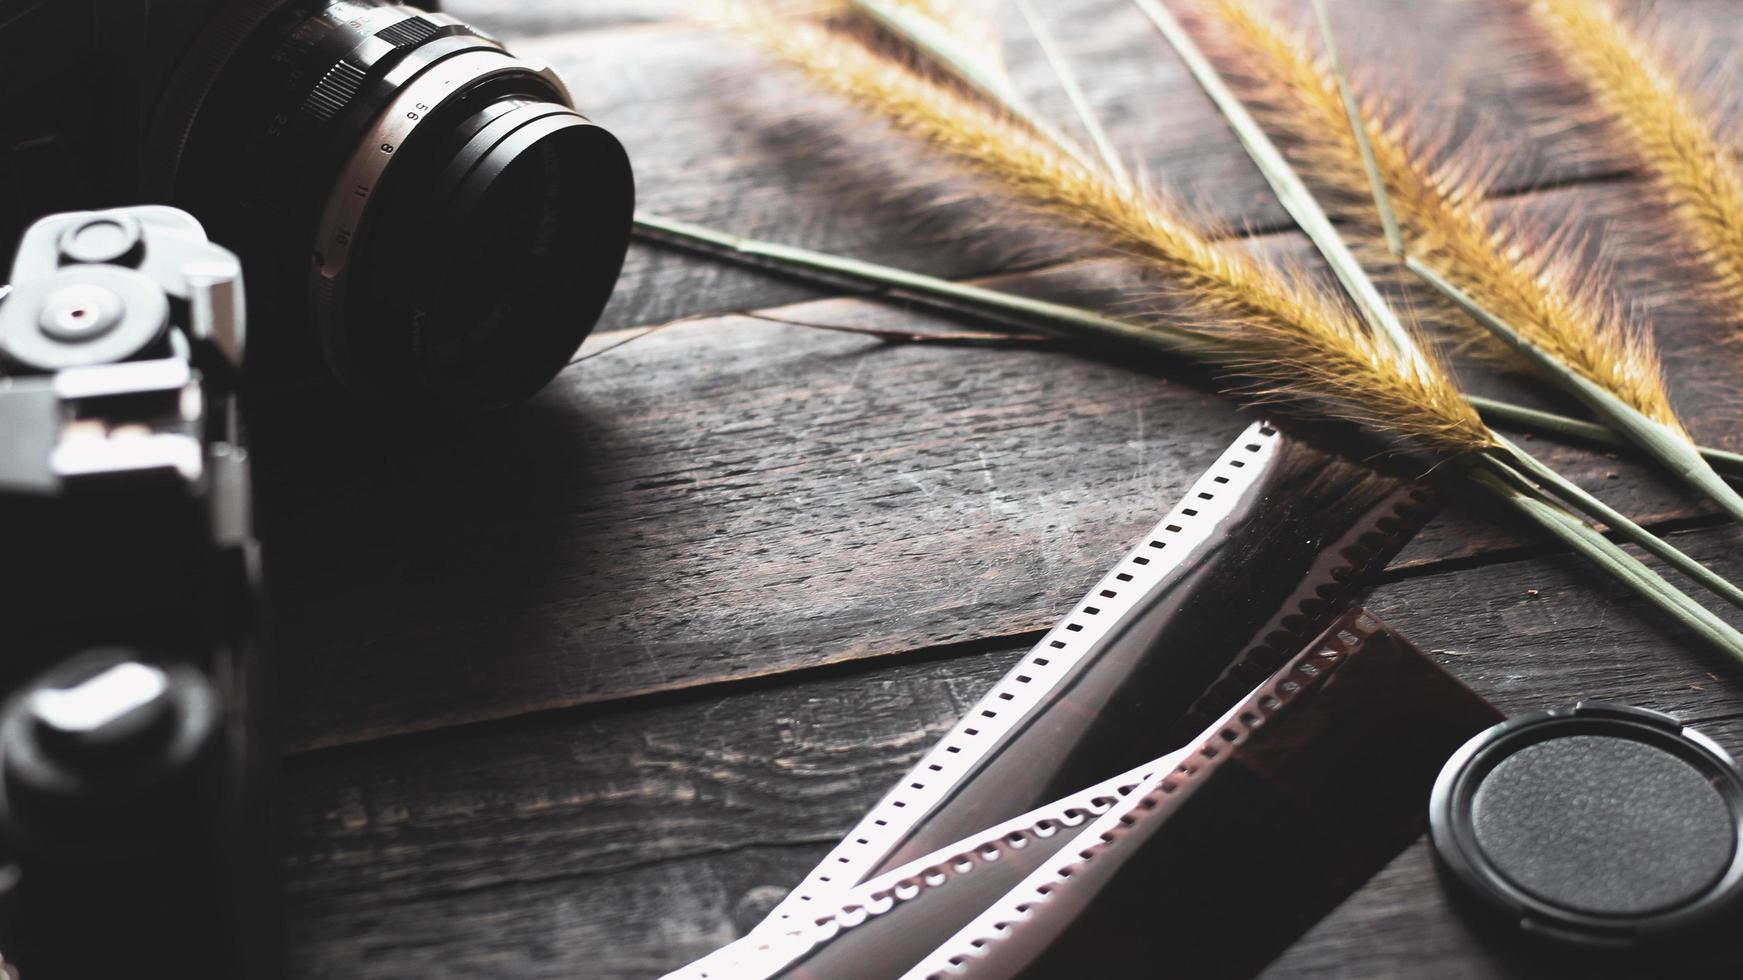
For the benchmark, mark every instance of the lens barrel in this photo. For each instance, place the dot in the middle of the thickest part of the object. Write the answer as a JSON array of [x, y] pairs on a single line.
[[429, 203]]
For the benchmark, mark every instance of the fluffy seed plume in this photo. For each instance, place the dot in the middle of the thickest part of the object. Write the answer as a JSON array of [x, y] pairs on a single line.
[[1443, 216], [1297, 344], [1672, 138]]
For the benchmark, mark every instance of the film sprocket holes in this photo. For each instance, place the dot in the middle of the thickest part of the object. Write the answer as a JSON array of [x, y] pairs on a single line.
[[133, 774], [1208, 860], [420, 213], [1264, 552], [1281, 809]]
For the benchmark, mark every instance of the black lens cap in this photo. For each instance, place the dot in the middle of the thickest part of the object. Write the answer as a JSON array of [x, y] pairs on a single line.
[[1600, 825]]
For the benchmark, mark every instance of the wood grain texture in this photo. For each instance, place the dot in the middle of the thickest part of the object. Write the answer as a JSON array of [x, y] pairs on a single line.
[[1405, 923], [733, 498], [666, 828], [578, 690]]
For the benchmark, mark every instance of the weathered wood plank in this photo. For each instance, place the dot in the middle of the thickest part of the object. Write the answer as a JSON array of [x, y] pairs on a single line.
[[644, 522], [623, 842], [1404, 924], [732, 498]]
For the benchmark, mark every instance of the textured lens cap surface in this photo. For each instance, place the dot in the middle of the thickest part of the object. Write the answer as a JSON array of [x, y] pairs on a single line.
[[1600, 824]]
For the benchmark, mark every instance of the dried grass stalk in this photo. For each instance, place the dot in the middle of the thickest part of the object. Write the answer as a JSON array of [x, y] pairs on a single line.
[[1296, 343], [951, 297], [1673, 138], [1558, 307]]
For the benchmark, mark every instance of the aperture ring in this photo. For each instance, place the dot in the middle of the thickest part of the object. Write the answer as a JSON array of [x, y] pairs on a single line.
[[343, 218]]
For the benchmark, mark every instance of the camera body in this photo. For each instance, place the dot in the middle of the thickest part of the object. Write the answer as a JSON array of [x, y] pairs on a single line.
[[420, 213], [133, 767]]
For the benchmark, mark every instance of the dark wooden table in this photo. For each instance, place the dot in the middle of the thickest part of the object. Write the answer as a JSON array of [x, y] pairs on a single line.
[[578, 691]]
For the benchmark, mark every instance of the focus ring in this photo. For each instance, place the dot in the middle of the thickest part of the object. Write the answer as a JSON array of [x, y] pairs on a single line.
[[343, 219], [343, 86], [336, 88]]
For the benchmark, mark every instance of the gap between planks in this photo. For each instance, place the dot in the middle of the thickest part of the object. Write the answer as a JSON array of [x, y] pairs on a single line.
[[435, 731]]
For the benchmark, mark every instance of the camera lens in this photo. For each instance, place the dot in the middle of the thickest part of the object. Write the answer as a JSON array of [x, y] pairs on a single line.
[[429, 203]]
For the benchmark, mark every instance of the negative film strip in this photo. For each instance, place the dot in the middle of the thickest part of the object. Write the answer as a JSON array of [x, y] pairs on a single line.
[[1266, 549], [1278, 812], [892, 921], [946, 914]]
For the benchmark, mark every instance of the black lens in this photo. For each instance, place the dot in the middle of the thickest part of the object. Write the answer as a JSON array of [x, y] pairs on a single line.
[[430, 203], [497, 263]]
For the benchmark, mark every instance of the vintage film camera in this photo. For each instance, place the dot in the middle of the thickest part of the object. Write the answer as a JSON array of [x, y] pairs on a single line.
[[419, 212], [419, 215], [133, 833]]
